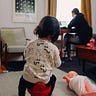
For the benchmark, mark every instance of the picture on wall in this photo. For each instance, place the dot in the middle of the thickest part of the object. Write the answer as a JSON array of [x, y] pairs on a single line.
[[24, 11]]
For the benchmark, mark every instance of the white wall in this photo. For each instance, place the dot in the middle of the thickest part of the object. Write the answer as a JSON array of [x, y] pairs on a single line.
[[94, 15], [6, 16]]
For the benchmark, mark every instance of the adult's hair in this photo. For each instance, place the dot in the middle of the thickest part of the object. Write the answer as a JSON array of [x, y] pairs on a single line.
[[75, 11], [48, 26]]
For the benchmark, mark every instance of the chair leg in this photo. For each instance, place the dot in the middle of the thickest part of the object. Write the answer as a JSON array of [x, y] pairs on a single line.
[[65, 53], [2, 67], [5, 59]]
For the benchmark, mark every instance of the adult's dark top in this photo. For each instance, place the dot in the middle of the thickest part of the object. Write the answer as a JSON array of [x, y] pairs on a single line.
[[82, 29]]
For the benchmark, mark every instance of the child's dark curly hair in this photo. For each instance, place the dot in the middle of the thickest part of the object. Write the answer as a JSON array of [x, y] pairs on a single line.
[[48, 26]]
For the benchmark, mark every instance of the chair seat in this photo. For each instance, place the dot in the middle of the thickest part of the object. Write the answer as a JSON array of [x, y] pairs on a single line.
[[15, 49], [13, 43]]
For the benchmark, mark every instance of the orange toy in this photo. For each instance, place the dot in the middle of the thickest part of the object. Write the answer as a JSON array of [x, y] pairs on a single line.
[[80, 84]]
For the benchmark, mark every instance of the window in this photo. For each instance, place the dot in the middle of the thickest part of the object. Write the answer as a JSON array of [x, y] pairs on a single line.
[[64, 8]]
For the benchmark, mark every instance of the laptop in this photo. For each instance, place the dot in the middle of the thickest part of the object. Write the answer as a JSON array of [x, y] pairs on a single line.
[[63, 24]]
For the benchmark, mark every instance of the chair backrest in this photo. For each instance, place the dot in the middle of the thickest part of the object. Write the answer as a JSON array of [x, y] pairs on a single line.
[[40, 89], [13, 36]]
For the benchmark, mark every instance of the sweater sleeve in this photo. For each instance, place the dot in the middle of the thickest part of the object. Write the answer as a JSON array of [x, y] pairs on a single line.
[[57, 59]]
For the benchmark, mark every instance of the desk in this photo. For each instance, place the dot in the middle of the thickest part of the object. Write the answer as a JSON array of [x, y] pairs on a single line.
[[86, 54], [62, 31]]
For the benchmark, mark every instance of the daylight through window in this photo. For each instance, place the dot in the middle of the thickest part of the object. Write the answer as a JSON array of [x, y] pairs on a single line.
[[64, 8]]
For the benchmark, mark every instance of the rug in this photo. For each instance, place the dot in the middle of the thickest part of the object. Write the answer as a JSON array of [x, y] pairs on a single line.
[[9, 84]]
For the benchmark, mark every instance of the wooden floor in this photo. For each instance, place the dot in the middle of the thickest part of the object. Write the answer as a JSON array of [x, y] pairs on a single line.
[[2, 68]]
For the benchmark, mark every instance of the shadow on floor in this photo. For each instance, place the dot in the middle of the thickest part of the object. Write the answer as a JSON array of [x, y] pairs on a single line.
[[15, 66]]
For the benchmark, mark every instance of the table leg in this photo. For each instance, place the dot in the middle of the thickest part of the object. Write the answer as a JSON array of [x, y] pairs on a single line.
[[61, 46]]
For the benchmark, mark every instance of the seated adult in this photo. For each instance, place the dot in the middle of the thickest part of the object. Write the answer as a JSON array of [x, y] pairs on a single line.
[[79, 26]]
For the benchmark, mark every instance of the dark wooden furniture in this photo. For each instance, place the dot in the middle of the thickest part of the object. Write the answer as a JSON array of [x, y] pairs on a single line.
[[62, 39], [86, 53], [12, 44]]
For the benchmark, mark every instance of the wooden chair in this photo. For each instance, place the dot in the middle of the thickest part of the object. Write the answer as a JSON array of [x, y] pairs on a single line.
[[13, 43], [60, 42]]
